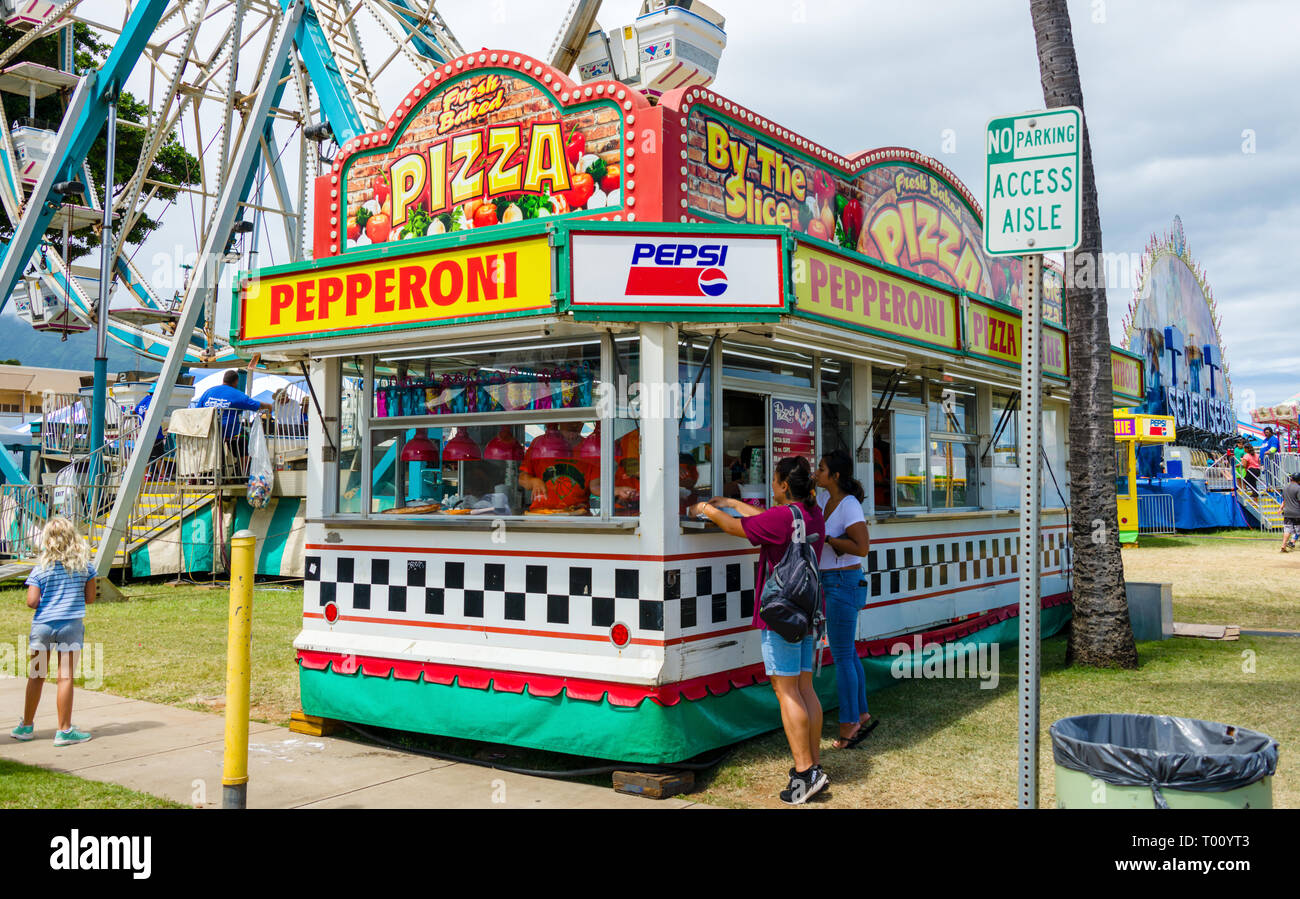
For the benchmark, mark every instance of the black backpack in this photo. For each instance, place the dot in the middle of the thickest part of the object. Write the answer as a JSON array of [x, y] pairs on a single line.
[[791, 603]]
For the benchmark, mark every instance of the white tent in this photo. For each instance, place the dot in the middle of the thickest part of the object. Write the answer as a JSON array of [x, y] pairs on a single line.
[[262, 389]]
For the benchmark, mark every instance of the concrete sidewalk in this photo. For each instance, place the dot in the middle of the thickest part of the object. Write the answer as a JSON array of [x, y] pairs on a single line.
[[177, 754]]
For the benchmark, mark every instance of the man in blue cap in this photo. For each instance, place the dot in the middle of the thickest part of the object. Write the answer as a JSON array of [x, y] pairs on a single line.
[[229, 398]]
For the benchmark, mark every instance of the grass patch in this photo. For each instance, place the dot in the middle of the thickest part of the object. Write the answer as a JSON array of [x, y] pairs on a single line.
[[947, 743], [1228, 578], [168, 645], [23, 786], [941, 743]]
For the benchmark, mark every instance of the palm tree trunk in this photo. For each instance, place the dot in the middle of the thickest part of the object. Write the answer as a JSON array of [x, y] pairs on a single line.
[[1101, 635]]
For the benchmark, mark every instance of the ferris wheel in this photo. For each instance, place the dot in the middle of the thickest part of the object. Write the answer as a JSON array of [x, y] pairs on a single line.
[[287, 81], [261, 94], [198, 65]]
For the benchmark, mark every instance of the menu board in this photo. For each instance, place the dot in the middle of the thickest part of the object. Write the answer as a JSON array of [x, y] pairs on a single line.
[[794, 430]]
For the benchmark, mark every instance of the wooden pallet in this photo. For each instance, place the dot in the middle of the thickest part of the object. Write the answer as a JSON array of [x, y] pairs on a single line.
[[653, 786], [1208, 631], [312, 726]]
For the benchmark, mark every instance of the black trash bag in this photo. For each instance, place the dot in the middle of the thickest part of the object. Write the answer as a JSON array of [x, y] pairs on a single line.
[[1163, 751]]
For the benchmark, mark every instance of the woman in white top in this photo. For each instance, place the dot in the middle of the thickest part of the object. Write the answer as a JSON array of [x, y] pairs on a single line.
[[846, 544]]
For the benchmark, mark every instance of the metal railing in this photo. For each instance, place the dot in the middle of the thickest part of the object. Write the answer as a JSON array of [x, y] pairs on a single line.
[[65, 424], [1155, 513], [1218, 471], [1266, 506]]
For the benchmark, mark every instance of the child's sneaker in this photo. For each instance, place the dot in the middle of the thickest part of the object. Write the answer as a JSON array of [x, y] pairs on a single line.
[[23, 731], [70, 736]]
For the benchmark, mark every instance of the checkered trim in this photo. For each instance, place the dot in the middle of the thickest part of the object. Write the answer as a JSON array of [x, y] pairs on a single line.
[[710, 595], [504, 592], [689, 599], [927, 566]]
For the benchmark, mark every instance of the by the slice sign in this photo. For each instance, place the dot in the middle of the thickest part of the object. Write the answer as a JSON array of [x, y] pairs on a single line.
[[1032, 195]]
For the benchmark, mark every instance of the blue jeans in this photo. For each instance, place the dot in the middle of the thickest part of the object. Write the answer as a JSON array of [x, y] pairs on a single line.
[[845, 597]]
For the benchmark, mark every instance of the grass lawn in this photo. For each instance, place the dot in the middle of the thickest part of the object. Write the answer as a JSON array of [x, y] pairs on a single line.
[[941, 743], [1233, 577], [23, 786], [947, 743], [168, 645]]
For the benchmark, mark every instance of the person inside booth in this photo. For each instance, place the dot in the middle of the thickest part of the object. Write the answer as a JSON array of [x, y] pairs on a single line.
[[627, 477], [558, 480]]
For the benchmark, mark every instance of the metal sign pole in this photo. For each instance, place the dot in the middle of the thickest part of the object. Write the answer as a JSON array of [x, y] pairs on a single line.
[[1031, 433]]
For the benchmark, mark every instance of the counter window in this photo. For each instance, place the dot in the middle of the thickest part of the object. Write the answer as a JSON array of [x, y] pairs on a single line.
[[1121, 470], [1006, 424], [489, 431], [629, 397], [695, 429], [469, 381], [952, 407], [909, 462], [837, 406], [953, 474], [544, 468], [764, 363], [953, 466], [352, 406]]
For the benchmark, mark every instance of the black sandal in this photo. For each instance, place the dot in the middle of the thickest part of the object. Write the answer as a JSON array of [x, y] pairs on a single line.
[[864, 730]]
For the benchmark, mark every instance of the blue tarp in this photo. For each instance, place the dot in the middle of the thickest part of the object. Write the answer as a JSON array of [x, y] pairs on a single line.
[[1194, 506]]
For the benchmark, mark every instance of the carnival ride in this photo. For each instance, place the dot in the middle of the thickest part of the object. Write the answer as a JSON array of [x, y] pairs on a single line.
[[262, 92]]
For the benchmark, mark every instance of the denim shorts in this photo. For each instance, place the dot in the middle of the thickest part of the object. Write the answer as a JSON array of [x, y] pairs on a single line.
[[786, 659], [60, 636]]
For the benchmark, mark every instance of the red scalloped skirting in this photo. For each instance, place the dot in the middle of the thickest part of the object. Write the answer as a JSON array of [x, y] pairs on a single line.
[[629, 695]]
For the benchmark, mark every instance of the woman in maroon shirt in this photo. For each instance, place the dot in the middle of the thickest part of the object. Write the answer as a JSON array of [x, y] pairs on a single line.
[[788, 665]]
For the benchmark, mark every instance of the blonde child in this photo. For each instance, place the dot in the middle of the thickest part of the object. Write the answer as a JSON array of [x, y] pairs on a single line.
[[58, 589]]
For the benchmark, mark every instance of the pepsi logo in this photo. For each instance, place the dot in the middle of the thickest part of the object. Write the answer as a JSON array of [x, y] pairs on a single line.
[[713, 282]]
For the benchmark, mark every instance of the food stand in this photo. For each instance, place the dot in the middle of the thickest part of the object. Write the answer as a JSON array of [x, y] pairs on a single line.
[[526, 385], [1133, 431]]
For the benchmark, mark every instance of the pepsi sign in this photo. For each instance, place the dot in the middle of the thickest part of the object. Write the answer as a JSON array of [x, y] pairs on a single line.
[[674, 271], [677, 269]]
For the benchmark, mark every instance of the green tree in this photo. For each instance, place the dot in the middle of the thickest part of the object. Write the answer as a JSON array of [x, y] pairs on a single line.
[[173, 164], [1101, 634]]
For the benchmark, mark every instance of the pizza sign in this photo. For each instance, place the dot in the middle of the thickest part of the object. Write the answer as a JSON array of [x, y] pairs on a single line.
[[485, 148]]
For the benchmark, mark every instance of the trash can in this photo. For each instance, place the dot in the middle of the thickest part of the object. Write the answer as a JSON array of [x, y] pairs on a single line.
[[1158, 761]]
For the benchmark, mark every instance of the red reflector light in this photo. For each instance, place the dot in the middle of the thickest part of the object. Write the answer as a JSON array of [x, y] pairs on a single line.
[[331, 612], [619, 634]]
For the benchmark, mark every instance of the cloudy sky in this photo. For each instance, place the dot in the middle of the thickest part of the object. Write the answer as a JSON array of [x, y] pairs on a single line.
[[1169, 89], [1190, 106]]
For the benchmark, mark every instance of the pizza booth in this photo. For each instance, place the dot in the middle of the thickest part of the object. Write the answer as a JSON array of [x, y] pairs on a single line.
[[516, 412]]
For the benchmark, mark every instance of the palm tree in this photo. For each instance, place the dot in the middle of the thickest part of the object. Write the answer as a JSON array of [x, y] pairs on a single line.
[[1101, 635]]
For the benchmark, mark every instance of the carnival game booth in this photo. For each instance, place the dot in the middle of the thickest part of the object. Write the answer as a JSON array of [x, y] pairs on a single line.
[[1133, 431], [500, 550]]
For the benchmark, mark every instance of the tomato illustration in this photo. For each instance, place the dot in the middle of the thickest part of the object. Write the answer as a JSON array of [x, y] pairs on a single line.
[[817, 228], [612, 179], [578, 195], [378, 227], [485, 215]]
